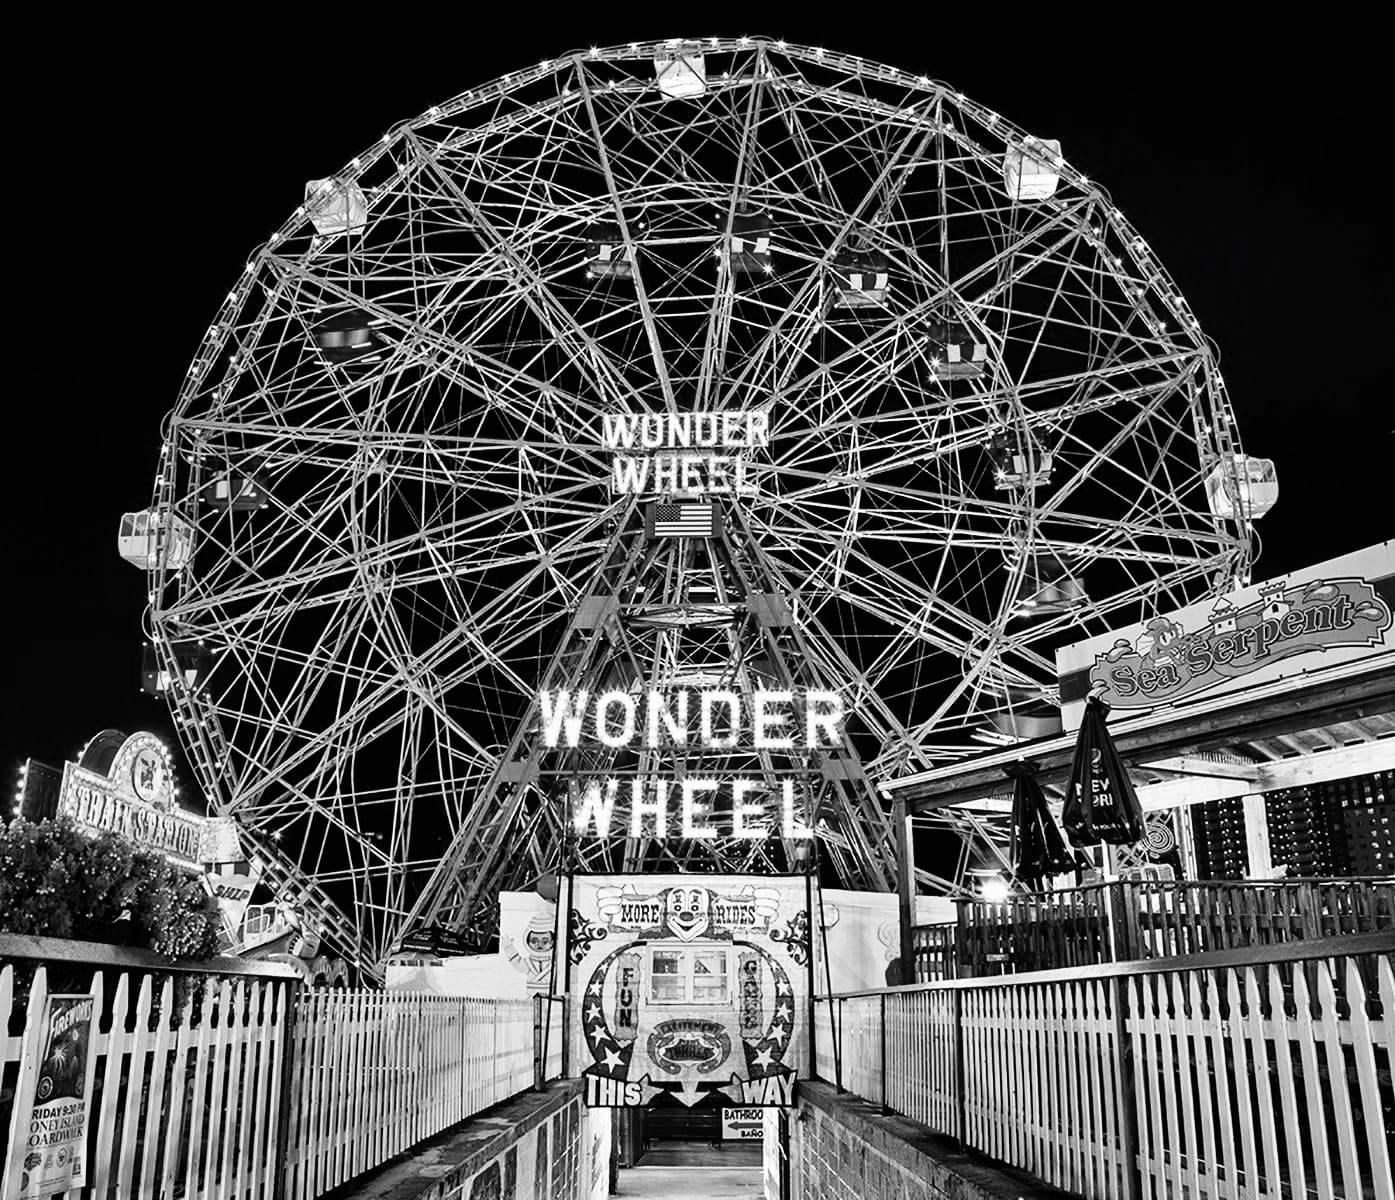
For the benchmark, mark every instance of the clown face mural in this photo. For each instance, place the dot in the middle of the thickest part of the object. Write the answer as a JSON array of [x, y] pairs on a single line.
[[690, 994]]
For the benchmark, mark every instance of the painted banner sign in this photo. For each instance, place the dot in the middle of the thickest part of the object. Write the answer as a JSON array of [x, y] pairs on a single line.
[[692, 993], [60, 1103], [1335, 612]]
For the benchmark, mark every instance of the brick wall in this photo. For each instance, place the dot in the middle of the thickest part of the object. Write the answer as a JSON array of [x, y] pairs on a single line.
[[539, 1146], [845, 1149]]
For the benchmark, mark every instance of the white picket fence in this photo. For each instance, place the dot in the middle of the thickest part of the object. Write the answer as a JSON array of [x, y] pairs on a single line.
[[379, 1072], [176, 1104], [1248, 1075], [369, 1074]]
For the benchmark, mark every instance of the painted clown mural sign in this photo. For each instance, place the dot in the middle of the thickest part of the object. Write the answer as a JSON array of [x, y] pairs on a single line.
[[691, 989]]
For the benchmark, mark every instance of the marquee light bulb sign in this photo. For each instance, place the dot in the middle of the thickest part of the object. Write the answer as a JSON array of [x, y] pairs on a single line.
[[691, 722], [693, 453]]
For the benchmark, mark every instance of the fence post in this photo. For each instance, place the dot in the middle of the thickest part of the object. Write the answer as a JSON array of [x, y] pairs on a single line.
[[885, 1035], [836, 1034], [961, 1114], [290, 1010], [565, 1035], [539, 1066], [905, 888], [1122, 901], [1124, 1073]]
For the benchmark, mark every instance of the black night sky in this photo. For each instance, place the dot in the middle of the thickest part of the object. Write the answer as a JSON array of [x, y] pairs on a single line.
[[153, 158]]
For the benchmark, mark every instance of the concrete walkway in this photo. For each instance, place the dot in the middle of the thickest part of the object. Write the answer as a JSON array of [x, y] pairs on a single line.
[[691, 1183]]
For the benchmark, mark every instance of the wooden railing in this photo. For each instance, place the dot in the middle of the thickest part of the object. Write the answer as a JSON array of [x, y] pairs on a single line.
[[1127, 920], [377, 1072], [165, 1055], [549, 1038], [936, 949], [232, 1079], [1250, 1074]]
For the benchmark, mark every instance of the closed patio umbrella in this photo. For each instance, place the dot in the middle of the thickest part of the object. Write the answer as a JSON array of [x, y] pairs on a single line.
[[1100, 804], [1038, 850]]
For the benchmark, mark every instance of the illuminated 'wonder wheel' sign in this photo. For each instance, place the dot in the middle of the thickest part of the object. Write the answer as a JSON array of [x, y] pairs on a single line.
[[930, 407]]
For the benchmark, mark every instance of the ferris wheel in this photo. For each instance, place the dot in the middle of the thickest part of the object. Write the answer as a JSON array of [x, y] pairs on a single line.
[[385, 504]]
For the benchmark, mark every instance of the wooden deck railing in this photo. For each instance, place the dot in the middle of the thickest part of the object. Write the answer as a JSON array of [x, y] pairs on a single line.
[[160, 1123], [1253, 1074], [251, 1085], [1128, 920]]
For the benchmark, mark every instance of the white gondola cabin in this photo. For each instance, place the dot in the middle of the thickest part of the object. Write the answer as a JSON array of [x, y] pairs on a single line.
[[1030, 170], [681, 72], [151, 540], [335, 207], [232, 491], [1017, 463], [1047, 588], [607, 255], [954, 353], [861, 278], [1243, 486], [192, 660], [1026, 714], [749, 253], [349, 336]]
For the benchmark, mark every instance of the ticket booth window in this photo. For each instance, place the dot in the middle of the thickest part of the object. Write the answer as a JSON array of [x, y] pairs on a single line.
[[689, 976]]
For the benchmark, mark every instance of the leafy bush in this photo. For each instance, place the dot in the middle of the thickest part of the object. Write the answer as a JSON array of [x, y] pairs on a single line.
[[56, 881]]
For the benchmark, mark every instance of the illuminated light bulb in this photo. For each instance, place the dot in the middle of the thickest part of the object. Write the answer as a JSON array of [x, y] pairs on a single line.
[[994, 889]]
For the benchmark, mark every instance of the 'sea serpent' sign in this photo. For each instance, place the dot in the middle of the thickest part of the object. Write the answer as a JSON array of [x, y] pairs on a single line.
[[1335, 612]]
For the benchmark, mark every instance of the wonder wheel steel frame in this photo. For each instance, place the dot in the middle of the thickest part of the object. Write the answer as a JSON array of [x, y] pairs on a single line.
[[437, 511]]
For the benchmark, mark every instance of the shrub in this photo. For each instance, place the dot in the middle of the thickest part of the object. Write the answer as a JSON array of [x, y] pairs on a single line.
[[56, 881]]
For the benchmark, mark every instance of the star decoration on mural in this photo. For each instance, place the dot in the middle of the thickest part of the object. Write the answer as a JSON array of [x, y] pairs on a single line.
[[611, 1060], [733, 1089], [647, 1090]]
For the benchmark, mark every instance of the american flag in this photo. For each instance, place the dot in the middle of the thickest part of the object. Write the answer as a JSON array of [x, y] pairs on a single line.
[[683, 520]]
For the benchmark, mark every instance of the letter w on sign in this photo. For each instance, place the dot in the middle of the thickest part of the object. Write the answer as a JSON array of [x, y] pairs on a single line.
[[697, 520]]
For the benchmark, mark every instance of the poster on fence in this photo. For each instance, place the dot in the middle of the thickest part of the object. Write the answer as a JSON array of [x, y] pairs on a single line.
[[60, 1104], [693, 989]]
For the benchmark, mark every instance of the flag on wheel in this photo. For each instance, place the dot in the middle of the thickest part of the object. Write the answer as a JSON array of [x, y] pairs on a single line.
[[670, 519]]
